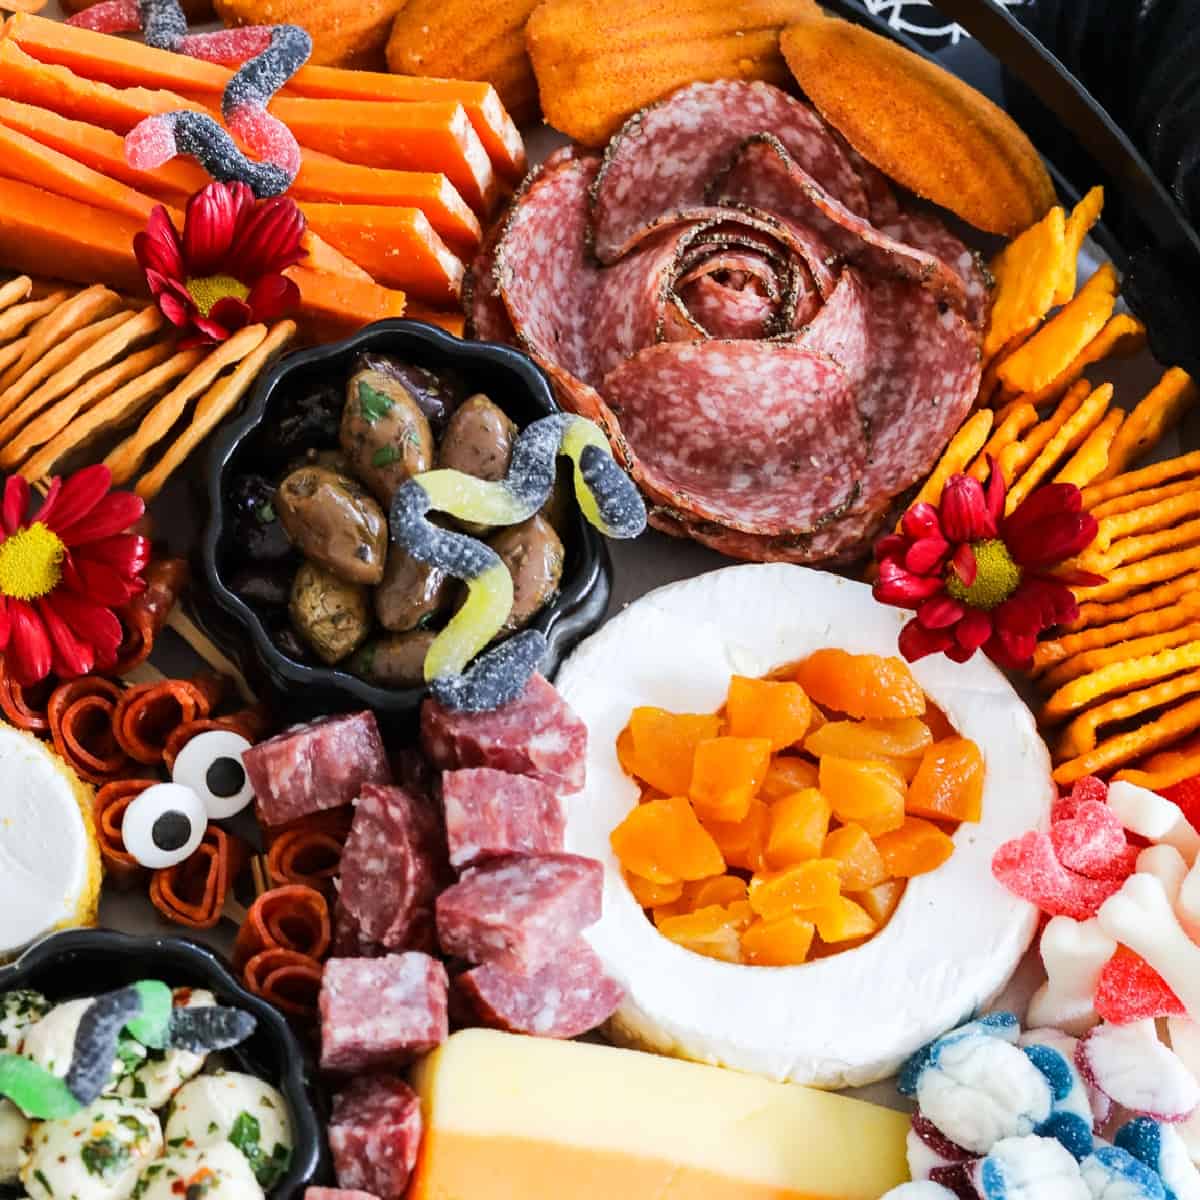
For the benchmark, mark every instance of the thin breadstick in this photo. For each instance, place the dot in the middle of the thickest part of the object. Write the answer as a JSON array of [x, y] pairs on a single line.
[[62, 355], [10, 353], [125, 460], [1091, 458], [214, 407], [112, 412], [964, 446], [208, 650], [112, 345], [14, 291], [58, 416], [16, 319], [93, 304]]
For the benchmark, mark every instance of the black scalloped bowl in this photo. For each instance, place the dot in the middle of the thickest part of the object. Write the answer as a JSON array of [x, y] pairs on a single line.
[[513, 382], [86, 962]]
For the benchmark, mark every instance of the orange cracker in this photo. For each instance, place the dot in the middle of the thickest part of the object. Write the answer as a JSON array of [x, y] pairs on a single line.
[[1156, 474], [1164, 769], [1022, 453], [1172, 725], [989, 383], [1081, 736], [14, 291], [114, 411], [1027, 272], [1089, 661], [17, 318], [1067, 439], [1079, 224], [58, 416], [1092, 615], [1144, 499], [1060, 341], [1090, 459], [1122, 676], [1121, 337], [1013, 422], [124, 461], [1148, 518], [10, 353], [1154, 415], [1146, 545], [1127, 580], [214, 407], [963, 447]]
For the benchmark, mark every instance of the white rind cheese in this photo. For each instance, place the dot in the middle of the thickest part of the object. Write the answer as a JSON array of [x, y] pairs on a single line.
[[957, 936]]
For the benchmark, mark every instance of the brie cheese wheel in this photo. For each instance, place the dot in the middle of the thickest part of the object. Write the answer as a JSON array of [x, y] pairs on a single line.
[[49, 859], [957, 935]]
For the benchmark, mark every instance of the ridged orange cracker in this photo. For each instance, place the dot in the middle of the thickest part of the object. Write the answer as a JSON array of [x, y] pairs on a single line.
[[1093, 615], [964, 446], [1088, 662], [1079, 224], [1155, 475], [14, 291], [1082, 735], [1090, 459], [1027, 272], [1170, 727], [1155, 414], [1147, 518], [1147, 498], [1122, 336], [1011, 424]]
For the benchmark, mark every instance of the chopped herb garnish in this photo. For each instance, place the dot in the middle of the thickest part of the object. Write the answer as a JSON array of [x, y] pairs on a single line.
[[266, 513], [105, 1155], [385, 456], [175, 1143], [138, 1090], [372, 403], [246, 1135], [213, 1127]]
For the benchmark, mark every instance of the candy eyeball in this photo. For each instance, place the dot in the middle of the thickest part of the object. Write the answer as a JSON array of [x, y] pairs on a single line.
[[163, 825], [211, 765]]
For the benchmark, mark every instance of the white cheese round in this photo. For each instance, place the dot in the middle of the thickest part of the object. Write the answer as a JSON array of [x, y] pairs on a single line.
[[164, 1072], [223, 1172], [51, 1043], [241, 1109], [19, 1009], [13, 1128], [49, 860], [97, 1154], [957, 936]]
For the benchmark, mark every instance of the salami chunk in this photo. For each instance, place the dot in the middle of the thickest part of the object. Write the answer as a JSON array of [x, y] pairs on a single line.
[[379, 1013], [536, 735], [563, 999], [326, 1193], [323, 764], [393, 867], [490, 814], [520, 911], [374, 1136]]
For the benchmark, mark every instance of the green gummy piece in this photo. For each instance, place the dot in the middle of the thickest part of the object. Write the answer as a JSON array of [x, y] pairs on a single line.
[[34, 1090], [153, 1026]]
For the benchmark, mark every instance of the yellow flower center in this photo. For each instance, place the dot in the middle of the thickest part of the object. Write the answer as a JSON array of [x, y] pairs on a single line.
[[31, 562], [206, 290], [996, 578]]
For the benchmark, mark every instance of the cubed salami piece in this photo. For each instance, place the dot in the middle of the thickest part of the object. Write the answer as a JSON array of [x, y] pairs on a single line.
[[322, 764], [324, 1193], [492, 813], [375, 1136], [381, 1012], [520, 911], [537, 735], [393, 867], [566, 997]]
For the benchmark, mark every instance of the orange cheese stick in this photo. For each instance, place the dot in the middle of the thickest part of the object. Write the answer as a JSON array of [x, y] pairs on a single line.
[[125, 63], [333, 305], [451, 322], [425, 136], [397, 246]]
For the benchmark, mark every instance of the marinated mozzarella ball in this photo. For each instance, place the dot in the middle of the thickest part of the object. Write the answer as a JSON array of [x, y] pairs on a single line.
[[51, 1043], [97, 1154], [18, 1011], [215, 1172], [13, 1128], [240, 1109], [164, 1072]]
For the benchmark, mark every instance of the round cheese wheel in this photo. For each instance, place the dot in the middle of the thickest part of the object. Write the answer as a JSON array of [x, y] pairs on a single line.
[[956, 937]]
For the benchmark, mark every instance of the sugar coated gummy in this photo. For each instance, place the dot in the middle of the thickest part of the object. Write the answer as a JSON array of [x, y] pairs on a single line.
[[1113, 1174], [1029, 868], [1131, 990], [1130, 1064], [1091, 842], [923, 1190], [1163, 1151], [1029, 1168], [1070, 1120]]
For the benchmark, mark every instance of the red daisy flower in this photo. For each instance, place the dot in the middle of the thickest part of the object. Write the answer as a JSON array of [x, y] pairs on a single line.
[[62, 572], [225, 271], [978, 578]]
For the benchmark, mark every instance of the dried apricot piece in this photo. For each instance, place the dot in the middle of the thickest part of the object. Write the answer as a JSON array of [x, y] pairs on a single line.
[[862, 865], [881, 900], [902, 737], [714, 931], [869, 793], [664, 745], [799, 823], [626, 754], [939, 724], [744, 842], [652, 895], [764, 708], [726, 775], [783, 942], [786, 775], [948, 784], [916, 848], [811, 884], [720, 889], [861, 685], [664, 842], [841, 920]]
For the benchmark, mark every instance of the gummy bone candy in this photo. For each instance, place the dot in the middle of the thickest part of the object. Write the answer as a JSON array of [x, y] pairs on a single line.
[[269, 57], [1029, 1168], [1184, 1036], [1153, 816], [145, 1011], [1074, 954], [1167, 865], [1141, 917], [1140, 1073], [607, 497]]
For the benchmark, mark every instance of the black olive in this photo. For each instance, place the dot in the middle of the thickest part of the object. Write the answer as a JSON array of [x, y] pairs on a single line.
[[260, 585], [257, 535], [290, 643], [307, 420]]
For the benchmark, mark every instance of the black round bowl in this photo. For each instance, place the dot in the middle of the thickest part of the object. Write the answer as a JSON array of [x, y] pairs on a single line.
[[513, 382], [86, 962]]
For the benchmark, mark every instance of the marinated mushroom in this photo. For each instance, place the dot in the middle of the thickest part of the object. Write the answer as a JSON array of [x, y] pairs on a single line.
[[394, 661], [384, 434], [331, 615], [411, 595], [534, 555], [334, 522], [478, 441], [436, 394]]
